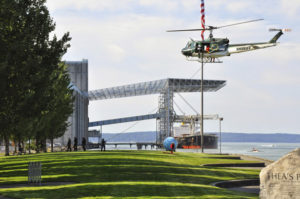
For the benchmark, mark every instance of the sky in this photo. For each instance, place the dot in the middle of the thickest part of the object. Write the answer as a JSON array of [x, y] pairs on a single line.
[[126, 42]]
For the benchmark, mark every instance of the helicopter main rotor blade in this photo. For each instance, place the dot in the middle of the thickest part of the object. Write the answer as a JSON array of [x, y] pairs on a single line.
[[234, 24], [210, 28], [186, 30]]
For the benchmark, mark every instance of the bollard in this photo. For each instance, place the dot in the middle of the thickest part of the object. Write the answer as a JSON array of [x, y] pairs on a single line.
[[35, 173]]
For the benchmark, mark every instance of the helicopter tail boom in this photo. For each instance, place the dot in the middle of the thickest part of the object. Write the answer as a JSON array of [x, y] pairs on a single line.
[[276, 37], [240, 48]]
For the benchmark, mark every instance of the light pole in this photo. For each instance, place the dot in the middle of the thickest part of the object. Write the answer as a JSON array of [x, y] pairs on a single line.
[[220, 120]]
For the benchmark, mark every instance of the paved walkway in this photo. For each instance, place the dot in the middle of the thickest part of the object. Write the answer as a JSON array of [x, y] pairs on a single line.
[[248, 189], [253, 188], [252, 158]]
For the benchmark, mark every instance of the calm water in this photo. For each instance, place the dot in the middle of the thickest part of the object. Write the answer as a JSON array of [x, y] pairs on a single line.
[[265, 150]]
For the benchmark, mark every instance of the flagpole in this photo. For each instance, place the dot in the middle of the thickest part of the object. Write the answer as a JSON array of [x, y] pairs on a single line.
[[202, 111], [202, 51]]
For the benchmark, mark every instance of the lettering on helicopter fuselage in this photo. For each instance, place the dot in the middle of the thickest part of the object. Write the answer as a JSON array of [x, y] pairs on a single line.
[[243, 48]]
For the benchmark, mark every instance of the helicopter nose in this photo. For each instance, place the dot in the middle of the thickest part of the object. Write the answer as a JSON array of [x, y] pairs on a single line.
[[186, 52]]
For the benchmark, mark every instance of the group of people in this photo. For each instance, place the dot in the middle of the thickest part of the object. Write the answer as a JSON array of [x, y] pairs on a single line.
[[83, 144], [69, 145]]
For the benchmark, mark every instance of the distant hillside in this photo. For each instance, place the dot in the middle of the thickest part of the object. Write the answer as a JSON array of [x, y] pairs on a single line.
[[259, 137], [146, 136], [150, 136]]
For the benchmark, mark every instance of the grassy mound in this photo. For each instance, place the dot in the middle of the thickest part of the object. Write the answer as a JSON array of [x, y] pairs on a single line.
[[123, 174]]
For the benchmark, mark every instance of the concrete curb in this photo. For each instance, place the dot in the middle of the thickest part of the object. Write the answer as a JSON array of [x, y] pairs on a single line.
[[259, 164], [228, 158], [236, 183], [254, 158]]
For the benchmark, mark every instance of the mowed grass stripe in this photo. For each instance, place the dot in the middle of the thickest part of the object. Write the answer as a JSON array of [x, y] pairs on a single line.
[[123, 174]]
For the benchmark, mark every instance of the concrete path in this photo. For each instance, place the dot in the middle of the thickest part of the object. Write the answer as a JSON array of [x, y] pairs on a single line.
[[254, 188], [247, 189], [253, 158], [251, 189]]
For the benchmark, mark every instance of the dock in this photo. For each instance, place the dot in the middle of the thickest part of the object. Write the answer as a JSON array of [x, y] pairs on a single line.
[[139, 145]]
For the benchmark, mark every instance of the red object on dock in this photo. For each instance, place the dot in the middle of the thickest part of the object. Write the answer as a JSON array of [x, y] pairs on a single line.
[[191, 147]]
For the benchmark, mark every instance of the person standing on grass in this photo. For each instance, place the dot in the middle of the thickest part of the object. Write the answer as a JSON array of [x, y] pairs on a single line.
[[83, 144], [69, 145], [20, 149], [75, 143], [103, 144], [172, 147]]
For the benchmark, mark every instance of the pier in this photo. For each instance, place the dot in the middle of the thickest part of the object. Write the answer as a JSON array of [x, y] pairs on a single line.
[[139, 145]]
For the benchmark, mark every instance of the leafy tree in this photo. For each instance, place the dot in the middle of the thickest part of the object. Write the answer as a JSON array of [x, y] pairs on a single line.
[[29, 68], [61, 105]]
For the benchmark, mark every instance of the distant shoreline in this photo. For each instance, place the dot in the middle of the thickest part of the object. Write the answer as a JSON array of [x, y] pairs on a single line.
[[225, 137]]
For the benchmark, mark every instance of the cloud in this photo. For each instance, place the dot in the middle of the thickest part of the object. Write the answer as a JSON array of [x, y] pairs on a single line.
[[232, 6], [91, 5], [166, 5], [116, 52], [238, 6], [125, 42], [191, 5], [291, 8], [114, 6], [282, 78]]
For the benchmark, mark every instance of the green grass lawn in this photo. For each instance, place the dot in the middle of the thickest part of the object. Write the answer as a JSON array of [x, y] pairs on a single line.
[[122, 174]]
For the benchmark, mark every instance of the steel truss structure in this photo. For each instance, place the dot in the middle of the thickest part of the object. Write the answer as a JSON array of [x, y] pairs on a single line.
[[155, 87], [166, 112], [166, 89], [125, 119]]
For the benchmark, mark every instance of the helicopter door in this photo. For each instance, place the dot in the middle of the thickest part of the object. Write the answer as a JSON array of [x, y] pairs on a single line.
[[215, 47], [197, 48], [200, 47], [207, 49]]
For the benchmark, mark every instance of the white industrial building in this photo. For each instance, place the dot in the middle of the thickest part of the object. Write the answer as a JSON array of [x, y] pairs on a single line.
[[78, 121]]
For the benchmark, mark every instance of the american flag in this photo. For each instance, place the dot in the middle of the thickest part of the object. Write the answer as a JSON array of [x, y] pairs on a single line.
[[202, 18]]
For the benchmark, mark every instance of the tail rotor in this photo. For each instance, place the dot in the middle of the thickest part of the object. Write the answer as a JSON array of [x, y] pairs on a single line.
[[280, 30]]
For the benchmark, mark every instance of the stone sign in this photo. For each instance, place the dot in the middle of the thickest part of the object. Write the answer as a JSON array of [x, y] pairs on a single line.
[[35, 172], [281, 179]]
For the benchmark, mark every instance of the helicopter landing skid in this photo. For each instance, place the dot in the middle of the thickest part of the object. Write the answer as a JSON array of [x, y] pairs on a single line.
[[205, 60]]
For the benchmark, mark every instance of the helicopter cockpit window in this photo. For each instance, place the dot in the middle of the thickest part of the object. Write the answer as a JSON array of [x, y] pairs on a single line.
[[222, 47], [188, 45]]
